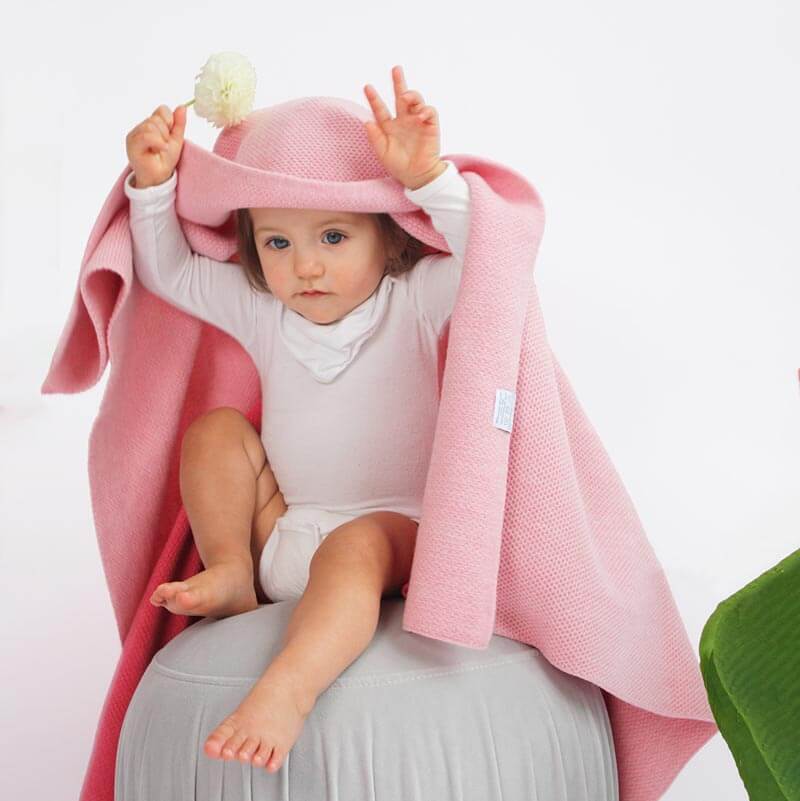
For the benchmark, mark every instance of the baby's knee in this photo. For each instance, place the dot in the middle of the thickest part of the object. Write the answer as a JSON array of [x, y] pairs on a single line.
[[379, 544], [222, 419], [222, 426]]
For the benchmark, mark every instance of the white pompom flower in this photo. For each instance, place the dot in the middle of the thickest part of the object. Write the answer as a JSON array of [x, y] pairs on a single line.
[[224, 89]]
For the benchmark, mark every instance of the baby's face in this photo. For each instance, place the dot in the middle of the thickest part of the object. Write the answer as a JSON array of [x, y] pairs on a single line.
[[339, 253]]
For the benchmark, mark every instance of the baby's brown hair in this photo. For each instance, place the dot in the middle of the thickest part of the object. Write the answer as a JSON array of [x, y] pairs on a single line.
[[403, 250]]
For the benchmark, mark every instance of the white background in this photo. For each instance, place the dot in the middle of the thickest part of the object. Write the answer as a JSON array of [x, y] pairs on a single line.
[[663, 138]]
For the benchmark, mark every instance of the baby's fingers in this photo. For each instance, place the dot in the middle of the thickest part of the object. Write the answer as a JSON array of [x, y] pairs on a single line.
[[379, 108], [163, 114], [412, 101], [148, 137], [155, 127], [428, 114], [158, 122], [154, 137]]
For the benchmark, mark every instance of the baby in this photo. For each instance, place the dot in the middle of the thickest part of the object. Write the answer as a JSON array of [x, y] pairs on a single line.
[[341, 314]]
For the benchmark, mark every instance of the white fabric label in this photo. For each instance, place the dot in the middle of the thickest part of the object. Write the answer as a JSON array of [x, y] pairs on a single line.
[[504, 401]]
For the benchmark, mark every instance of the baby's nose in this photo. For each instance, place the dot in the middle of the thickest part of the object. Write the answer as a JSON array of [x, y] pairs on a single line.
[[309, 267]]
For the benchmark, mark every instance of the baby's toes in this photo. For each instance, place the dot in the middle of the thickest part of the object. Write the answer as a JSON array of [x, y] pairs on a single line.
[[189, 597], [167, 591], [231, 748], [160, 594], [218, 738], [277, 759], [262, 755], [173, 588], [249, 748]]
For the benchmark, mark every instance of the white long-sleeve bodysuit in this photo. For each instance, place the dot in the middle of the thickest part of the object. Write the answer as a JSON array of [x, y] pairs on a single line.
[[348, 408]]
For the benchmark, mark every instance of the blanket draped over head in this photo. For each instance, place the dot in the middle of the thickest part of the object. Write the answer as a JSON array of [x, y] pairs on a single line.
[[528, 533]]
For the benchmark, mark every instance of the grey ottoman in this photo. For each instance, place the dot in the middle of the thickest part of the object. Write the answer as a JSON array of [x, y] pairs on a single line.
[[412, 719]]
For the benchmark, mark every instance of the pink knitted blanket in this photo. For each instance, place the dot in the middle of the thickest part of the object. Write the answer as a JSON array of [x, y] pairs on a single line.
[[527, 533]]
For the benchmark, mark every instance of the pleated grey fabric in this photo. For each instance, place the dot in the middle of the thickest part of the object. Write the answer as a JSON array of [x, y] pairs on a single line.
[[412, 719]]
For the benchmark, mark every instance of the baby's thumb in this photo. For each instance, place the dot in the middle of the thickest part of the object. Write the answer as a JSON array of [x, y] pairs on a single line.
[[179, 122]]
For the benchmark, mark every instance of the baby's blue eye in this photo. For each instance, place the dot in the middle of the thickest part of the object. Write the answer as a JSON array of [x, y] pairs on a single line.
[[335, 233]]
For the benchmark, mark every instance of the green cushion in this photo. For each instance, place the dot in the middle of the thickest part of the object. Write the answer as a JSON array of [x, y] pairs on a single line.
[[750, 661]]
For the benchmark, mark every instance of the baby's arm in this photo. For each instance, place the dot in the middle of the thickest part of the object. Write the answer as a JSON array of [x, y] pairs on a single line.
[[216, 292], [434, 282]]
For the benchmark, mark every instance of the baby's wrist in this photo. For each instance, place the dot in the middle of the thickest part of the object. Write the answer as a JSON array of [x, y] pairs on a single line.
[[431, 175], [136, 183]]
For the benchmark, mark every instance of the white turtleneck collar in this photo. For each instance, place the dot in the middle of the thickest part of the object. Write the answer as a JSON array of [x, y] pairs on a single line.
[[326, 350]]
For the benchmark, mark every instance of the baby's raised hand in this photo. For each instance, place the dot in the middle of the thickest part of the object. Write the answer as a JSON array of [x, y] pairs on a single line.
[[408, 145], [154, 146]]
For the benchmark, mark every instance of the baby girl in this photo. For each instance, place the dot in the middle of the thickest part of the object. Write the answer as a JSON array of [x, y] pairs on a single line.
[[341, 314]]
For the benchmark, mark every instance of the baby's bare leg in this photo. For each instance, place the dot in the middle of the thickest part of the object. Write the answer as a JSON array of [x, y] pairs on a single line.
[[334, 621], [232, 501]]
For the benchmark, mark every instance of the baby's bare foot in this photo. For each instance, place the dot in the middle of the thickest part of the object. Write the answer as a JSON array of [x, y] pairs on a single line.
[[222, 590], [264, 726]]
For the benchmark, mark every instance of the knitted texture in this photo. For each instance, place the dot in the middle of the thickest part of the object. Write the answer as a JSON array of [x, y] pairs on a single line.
[[529, 534]]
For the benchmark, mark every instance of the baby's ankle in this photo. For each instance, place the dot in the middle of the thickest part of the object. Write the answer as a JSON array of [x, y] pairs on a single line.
[[235, 562]]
